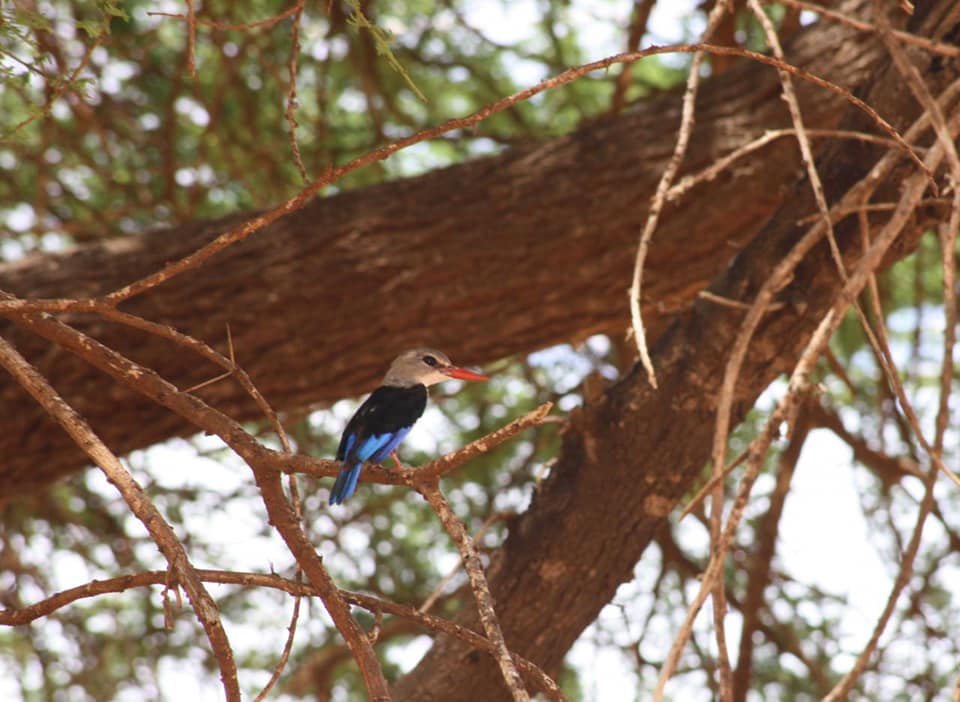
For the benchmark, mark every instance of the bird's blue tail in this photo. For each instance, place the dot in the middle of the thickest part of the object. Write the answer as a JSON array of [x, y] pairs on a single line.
[[346, 483]]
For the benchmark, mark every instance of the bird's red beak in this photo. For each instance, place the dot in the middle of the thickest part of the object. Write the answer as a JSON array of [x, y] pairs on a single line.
[[462, 374]]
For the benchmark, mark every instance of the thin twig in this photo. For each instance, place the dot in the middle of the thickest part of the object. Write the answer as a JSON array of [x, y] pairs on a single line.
[[478, 582], [930, 45], [162, 533], [660, 195], [438, 590], [288, 646], [95, 588], [291, 110], [796, 118], [226, 374], [295, 614], [710, 484], [445, 464], [760, 563]]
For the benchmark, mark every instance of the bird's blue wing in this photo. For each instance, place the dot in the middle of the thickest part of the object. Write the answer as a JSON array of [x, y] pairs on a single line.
[[347, 478], [373, 448], [374, 432], [391, 446]]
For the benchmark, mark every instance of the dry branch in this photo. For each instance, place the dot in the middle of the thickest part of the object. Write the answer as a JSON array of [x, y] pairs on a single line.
[[262, 461], [96, 588], [432, 471], [786, 412], [478, 582], [162, 533]]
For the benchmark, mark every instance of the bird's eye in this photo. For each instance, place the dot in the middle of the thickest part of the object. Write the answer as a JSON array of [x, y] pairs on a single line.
[[430, 361]]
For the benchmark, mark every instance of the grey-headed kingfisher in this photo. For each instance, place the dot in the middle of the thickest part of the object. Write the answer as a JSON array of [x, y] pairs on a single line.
[[389, 413]]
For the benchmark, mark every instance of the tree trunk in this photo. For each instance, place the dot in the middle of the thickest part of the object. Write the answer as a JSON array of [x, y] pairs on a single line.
[[632, 453], [498, 256]]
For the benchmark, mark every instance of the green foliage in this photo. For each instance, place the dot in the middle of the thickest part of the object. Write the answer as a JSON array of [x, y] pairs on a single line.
[[133, 142]]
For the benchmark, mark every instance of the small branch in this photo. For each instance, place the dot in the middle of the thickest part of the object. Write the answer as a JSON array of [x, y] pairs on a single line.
[[930, 45], [446, 464], [291, 110], [710, 484], [758, 575], [796, 118], [288, 646], [478, 581], [733, 304], [161, 532], [374, 473], [261, 460], [438, 590], [660, 195], [95, 588]]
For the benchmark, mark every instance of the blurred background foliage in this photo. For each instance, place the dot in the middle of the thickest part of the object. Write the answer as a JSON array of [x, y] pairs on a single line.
[[104, 133]]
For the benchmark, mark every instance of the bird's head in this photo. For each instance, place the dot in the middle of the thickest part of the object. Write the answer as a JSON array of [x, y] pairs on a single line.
[[425, 367]]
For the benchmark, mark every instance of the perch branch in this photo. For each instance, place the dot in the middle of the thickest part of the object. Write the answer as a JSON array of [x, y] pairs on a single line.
[[478, 582]]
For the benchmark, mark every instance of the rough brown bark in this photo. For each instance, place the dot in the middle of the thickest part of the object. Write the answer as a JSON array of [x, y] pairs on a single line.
[[634, 452], [498, 256]]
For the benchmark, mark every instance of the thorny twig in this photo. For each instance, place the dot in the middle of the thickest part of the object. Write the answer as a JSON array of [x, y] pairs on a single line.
[[291, 110], [161, 532], [660, 195], [478, 582]]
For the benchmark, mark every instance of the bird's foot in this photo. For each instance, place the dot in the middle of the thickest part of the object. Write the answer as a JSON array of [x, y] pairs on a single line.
[[396, 460]]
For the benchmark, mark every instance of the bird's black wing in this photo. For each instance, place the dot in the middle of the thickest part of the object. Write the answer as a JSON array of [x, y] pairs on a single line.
[[387, 411]]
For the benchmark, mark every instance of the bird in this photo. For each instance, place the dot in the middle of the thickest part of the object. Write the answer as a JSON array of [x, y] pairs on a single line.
[[389, 413]]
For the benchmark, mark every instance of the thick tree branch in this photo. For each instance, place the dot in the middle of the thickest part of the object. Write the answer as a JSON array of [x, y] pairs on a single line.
[[631, 455], [291, 293]]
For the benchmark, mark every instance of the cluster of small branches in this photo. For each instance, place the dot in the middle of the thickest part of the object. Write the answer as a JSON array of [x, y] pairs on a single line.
[[941, 116], [936, 174]]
